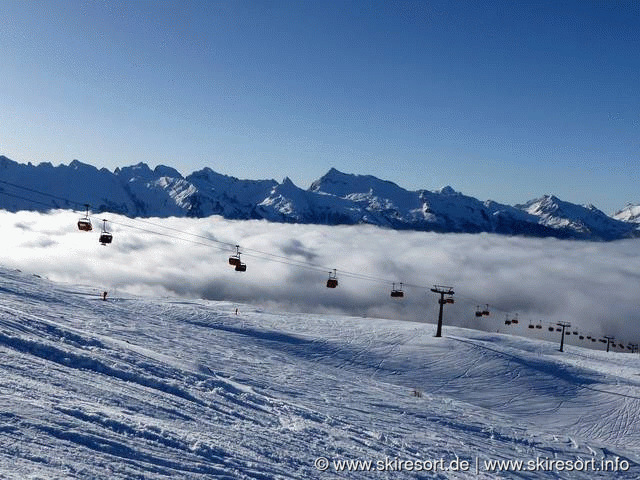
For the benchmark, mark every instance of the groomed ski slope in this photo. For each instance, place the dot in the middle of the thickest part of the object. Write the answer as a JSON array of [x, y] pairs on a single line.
[[160, 388]]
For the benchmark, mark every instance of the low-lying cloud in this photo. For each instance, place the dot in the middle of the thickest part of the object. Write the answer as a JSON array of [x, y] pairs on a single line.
[[594, 286]]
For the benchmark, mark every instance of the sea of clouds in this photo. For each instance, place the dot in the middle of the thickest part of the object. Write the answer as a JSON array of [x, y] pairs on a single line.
[[594, 286]]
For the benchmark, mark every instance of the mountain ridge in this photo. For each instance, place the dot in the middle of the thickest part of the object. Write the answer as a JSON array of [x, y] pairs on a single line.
[[335, 198]]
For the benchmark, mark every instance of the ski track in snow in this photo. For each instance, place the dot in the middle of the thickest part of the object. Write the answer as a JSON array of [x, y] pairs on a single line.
[[164, 388]]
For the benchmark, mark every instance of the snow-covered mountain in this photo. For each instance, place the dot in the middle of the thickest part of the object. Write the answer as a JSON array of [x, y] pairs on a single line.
[[335, 198], [630, 213], [158, 388], [585, 219]]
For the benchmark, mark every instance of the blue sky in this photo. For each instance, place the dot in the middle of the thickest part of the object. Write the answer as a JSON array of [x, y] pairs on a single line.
[[501, 100]]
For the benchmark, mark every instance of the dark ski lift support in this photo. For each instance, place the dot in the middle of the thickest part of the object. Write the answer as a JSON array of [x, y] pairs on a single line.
[[105, 236], [442, 290], [563, 326], [397, 292], [84, 223], [332, 282]]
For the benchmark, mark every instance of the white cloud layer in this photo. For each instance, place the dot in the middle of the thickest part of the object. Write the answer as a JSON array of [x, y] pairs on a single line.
[[594, 286]]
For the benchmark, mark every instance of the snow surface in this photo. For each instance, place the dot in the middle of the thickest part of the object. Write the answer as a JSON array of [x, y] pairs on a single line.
[[148, 387]]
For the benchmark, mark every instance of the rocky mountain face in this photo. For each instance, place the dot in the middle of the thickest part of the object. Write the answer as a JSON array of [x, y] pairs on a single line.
[[335, 198]]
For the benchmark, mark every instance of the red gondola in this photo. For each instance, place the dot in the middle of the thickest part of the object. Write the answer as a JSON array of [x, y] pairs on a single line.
[[234, 260], [84, 223]]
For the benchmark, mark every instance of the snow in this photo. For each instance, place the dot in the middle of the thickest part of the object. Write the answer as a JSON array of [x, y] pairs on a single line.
[[163, 387]]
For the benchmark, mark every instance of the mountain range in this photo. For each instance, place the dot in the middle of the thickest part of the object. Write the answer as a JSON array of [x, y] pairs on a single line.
[[335, 198]]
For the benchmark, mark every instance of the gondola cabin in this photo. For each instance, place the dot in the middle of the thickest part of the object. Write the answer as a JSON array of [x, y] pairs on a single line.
[[84, 224], [234, 260], [397, 292], [531, 325], [507, 322], [551, 329], [105, 236], [332, 281], [449, 300], [539, 326], [241, 267]]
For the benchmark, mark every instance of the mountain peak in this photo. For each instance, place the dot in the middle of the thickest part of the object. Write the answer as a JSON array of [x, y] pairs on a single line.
[[286, 181], [448, 190], [164, 171], [78, 165]]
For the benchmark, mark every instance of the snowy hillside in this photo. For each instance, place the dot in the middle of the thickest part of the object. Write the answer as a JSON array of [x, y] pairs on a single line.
[[158, 388], [336, 198]]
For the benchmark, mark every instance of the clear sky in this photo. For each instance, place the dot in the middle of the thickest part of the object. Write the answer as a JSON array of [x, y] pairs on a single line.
[[501, 100]]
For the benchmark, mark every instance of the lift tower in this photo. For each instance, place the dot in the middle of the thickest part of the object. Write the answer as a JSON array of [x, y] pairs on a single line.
[[609, 341], [442, 290], [563, 325]]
